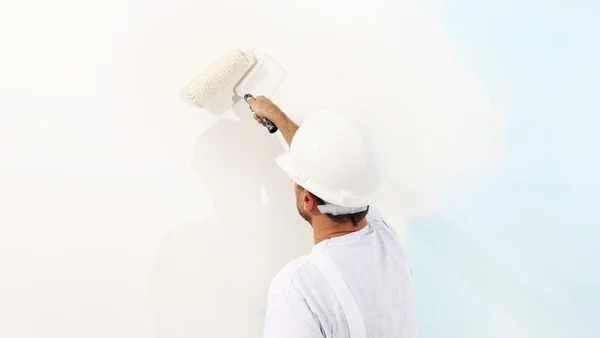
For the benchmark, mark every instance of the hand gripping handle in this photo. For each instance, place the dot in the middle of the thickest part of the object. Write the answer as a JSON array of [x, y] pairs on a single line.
[[271, 127]]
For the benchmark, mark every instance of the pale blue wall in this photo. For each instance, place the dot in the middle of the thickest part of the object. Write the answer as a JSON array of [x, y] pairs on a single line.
[[519, 256]]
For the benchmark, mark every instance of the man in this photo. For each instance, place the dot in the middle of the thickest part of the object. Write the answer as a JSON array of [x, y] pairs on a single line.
[[356, 283]]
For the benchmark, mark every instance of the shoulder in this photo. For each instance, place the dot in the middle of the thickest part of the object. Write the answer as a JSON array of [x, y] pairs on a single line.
[[374, 213], [282, 282], [377, 217]]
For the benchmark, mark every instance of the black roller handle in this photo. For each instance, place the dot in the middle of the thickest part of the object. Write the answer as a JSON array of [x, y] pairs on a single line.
[[271, 127]]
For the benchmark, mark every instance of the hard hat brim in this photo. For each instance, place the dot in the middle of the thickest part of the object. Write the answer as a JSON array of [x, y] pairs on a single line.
[[285, 162]]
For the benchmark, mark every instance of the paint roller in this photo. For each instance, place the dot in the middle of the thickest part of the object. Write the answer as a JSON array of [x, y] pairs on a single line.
[[224, 72]]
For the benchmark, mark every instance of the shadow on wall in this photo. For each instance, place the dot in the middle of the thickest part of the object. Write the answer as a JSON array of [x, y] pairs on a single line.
[[211, 277]]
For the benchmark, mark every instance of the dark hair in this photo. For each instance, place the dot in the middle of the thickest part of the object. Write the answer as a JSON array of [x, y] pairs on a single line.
[[354, 218]]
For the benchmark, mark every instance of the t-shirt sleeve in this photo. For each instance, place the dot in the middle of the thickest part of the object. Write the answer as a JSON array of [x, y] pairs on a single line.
[[288, 316]]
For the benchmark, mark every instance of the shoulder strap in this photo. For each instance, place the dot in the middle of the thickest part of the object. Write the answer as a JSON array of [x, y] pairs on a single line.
[[356, 323]]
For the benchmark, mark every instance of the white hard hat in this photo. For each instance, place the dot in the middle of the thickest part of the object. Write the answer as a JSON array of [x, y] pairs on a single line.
[[330, 158]]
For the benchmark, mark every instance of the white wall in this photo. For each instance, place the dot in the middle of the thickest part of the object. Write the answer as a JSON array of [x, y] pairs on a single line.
[[125, 212]]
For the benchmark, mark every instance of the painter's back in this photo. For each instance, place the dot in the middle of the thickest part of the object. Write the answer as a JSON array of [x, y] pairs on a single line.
[[372, 261]]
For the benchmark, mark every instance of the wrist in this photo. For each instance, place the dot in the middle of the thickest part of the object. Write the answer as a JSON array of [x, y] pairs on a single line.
[[279, 117]]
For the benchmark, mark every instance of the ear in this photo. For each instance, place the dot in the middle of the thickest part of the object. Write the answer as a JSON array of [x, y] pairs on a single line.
[[309, 201]]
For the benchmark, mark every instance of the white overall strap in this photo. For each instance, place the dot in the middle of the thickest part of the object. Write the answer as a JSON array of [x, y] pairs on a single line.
[[356, 323]]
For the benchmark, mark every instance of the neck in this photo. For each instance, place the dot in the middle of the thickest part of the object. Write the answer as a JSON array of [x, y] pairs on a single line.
[[324, 228]]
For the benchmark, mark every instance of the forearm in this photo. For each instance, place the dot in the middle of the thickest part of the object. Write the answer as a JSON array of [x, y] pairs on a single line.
[[287, 127], [264, 108]]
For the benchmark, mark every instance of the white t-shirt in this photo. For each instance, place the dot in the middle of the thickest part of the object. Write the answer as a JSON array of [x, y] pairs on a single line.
[[301, 303]]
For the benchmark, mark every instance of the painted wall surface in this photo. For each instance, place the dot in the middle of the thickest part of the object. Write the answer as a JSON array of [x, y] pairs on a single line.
[[124, 212]]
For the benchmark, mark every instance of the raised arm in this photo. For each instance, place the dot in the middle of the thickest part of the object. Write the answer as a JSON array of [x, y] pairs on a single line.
[[263, 107]]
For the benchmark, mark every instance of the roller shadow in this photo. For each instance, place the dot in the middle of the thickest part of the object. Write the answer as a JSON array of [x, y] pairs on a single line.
[[211, 277]]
